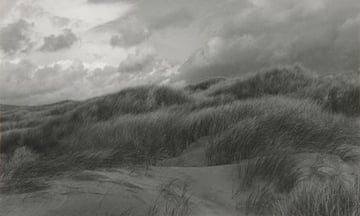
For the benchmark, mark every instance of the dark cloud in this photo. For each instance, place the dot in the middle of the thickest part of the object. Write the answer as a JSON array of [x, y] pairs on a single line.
[[129, 38], [14, 37], [54, 43], [173, 19], [128, 31], [321, 35]]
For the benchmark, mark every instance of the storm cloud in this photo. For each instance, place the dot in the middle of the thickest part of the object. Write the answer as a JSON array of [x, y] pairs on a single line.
[[54, 43], [15, 38], [322, 35], [127, 31], [122, 43]]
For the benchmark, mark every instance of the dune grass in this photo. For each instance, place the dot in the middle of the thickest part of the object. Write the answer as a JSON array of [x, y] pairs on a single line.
[[311, 198], [299, 185], [287, 125], [321, 199], [173, 199], [275, 119], [339, 94]]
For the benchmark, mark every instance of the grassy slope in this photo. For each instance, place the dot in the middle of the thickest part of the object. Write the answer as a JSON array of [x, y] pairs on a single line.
[[284, 111]]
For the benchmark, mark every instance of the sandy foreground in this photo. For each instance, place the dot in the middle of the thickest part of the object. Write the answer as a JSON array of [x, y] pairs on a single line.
[[210, 191]]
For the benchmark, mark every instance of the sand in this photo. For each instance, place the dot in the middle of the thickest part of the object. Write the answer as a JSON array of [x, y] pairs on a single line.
[[114, 191]]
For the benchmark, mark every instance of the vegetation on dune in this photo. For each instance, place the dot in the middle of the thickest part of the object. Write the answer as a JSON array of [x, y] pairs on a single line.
[[336, 94], [300, 185], [279, 121], [312, 198], [276, 81], [204, 85], [287, 125], [332, 198], [129, 101]]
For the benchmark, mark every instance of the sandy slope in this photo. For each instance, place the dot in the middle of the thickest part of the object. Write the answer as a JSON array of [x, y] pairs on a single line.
[[110, 192]]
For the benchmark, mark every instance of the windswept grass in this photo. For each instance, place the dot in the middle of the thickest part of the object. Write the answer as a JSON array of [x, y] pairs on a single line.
[[287, 125], [238, 130], [173, 200], [299, 185], [281, 121], [321, 199], [336, 94], [204, 85], [129, 101]]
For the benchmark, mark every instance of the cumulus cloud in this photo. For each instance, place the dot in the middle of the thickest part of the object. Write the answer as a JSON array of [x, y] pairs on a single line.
[[322, 35], [24, 83], [131, 31], [173, 19], [54, 43], [145, 64], [139, 62], [15, 38]]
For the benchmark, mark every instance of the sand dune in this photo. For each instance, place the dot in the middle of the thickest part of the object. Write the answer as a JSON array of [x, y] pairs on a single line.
[[296, 135], [111, 192]]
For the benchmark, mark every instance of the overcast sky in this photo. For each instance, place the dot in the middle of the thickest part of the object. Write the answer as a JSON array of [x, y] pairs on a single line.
[[75, 49]]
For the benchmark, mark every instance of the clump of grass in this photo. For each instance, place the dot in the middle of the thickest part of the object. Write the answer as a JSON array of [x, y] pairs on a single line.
[[315, 198], [299, 185], [280, 170], [321, 199], [344, 98], [260, 201], [174, 200], [20, 157]]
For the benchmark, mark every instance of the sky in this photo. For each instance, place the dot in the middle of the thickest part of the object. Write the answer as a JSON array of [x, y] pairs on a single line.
[[76, 49]]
